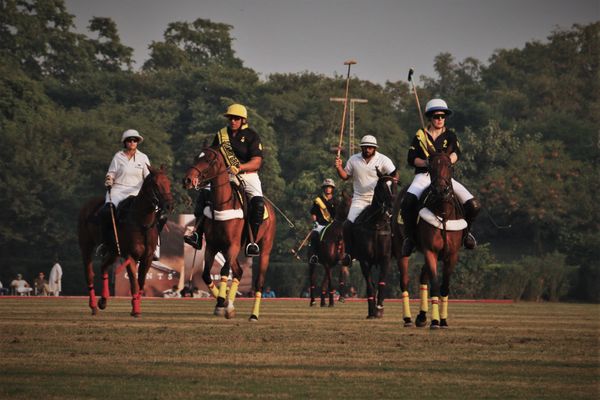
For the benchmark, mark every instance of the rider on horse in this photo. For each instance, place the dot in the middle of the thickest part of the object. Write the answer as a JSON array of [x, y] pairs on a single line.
[[322, 214], [124, 178], [362, 168], [443, 140], [242, 151]]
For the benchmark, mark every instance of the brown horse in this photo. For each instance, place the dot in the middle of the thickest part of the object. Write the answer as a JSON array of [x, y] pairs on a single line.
[[439, 237], [372, 239], [137, 234], [225, 235], [402, 262], [330, 252]]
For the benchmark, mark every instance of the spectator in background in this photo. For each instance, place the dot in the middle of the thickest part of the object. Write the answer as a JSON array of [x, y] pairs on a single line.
[[4, 291], [55, 281], [268, 293], [172, 293], [20, 286], [41, 285]]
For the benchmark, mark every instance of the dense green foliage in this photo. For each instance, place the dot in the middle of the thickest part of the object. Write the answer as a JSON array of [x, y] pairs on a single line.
[[527, 121]]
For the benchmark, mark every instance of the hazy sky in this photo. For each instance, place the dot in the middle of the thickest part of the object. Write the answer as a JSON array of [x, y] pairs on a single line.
[[385, 37]]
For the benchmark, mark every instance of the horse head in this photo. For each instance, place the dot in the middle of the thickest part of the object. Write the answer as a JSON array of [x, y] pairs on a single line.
[[158, 187], [385, 191], [440, 171], [207, 166], [343, 206]]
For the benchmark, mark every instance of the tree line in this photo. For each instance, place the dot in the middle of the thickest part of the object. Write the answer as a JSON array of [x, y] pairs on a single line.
[[527, 120]]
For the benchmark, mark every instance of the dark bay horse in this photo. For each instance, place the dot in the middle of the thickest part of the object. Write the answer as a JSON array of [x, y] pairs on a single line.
[[372, 241], [224, 233], [137, 233], [439, 237], [330, 252]]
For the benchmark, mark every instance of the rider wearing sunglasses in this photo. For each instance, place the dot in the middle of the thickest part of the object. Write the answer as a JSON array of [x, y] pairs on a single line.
[[443, 140]]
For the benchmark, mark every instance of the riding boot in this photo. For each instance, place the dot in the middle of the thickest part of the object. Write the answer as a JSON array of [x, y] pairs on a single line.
[[347, 231], [257, 211], [472, 208], [314, 248], [409, 209], [195, 238]]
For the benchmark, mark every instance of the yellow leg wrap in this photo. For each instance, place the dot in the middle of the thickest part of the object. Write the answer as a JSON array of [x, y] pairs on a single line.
[[256, 308], [424, 294], [444, 307], [435, 308], [406, 305], [233, 290], [223, 287], [213, 290]]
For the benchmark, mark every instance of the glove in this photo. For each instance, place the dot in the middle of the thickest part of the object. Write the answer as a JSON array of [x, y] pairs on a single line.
[[108, 181], [234, 170]]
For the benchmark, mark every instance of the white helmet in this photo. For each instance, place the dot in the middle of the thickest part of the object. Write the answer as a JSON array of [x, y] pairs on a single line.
[[434, 105], [368, 140], [328, 182], [131, 133]]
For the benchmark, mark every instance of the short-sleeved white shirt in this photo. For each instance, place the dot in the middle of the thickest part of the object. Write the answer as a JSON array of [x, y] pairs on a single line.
[[128, 175], [364, 174]]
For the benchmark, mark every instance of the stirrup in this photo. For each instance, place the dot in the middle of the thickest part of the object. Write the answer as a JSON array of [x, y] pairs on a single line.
[[469, 241], [252, 250], [314, 259], [101, 250], [193, 240]]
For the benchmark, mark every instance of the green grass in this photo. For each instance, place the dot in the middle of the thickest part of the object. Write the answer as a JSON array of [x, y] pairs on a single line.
[[54, 349]]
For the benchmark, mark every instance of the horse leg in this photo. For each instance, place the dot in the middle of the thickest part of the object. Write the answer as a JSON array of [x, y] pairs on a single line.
[[404, 281], [260, 281], [141, 279], [209, 258], [385, 269], [449, 265], [421, 320], [431, 261], [237, 273], [344, 274], [312, 272], [324, 285], [89, 273], [134, 286], [330, 288], [105, 285], [366, 271], [221, 297]]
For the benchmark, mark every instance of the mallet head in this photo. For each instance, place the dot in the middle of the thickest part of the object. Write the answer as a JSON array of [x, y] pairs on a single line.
[[349, 62], [410, 74]]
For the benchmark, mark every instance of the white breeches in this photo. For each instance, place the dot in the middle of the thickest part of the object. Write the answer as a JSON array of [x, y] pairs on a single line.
[[251, 183], [422, 181], [119, 193], [357, 206]]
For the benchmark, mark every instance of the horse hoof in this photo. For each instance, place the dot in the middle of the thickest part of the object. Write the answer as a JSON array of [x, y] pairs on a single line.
[[444, 324], [331, 305], [136, 314], [421, 319], [230, 313], [435, 324], [102, 303], [219, 311], [323, 304], [342, 300], [253, 318], [379, 312], [408, 323], [371, 317], [94, 310], [313, 303]]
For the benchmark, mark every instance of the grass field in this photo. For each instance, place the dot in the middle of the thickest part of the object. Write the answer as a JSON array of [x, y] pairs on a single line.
[[52, 348]]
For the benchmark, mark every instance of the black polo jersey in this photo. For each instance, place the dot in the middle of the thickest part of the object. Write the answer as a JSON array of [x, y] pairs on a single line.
[[246, 144], [447, 143], [316, 210]]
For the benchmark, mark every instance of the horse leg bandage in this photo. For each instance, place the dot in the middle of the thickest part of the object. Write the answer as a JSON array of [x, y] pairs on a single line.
[[93, 302], [256, 308], [435, 309], [423, 293], [233, 290], [105, 288], [444, 307], [223, 287], [406, 305], [213, 290]]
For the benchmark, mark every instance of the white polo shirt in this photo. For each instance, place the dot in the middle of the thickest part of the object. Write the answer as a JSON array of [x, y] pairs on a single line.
[[128, 175], [364, 174]]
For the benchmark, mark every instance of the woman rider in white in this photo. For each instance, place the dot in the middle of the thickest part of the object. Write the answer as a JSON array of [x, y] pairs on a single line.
[[124, 178], [361, 167]]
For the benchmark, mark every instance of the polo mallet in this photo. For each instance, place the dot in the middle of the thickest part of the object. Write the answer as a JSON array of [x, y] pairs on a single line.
[[302, 244], [114, 224], [410, 74], [349, 63]]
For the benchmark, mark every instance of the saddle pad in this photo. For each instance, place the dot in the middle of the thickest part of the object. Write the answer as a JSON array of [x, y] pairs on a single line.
[[224, 215], [434, 220]]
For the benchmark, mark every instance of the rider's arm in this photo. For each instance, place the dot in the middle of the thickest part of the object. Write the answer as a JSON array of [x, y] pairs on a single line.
[[340, 170], [252, 165]]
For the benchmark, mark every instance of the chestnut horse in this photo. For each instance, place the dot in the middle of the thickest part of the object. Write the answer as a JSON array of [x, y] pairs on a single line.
[[372, 241], [330, 252], [224, 233], [138, 236], [439, 237]]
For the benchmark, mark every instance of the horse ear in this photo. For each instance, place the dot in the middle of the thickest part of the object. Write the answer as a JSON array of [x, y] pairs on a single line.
[[379, 174]]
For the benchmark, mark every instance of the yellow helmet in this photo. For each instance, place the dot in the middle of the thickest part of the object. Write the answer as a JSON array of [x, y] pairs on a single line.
[[237, 110]]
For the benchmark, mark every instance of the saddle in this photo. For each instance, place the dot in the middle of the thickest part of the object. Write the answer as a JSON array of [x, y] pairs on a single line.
[[425, 204], [242, 199]]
